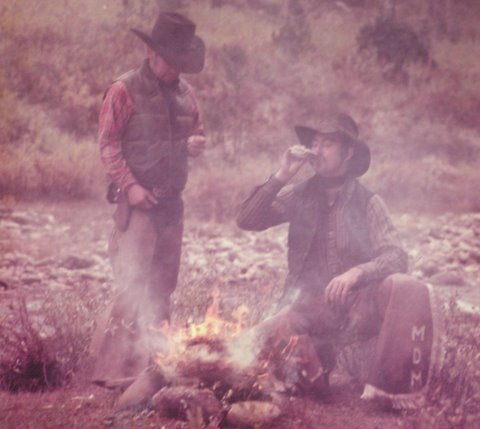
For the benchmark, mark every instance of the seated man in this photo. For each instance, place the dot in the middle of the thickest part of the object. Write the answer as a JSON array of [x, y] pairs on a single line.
[[343, 256]]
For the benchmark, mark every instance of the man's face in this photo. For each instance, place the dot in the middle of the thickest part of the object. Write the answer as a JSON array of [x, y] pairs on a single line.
[[331, 156], [160, 68]]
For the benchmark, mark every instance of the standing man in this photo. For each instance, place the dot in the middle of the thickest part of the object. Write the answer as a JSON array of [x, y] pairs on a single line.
[[343, 252], [149, 125]]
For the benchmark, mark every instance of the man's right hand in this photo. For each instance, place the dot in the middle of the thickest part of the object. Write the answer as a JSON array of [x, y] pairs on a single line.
[[292, 161], [138, 196]]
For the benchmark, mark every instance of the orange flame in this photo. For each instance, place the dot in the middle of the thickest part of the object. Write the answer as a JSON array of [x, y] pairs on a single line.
[[213, 326]]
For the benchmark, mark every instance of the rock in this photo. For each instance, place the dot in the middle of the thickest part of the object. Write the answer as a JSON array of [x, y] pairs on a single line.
[[140, 392], [251, 413], [428, 267], [74, 262], [475, 255], [447, 278], [29, 279], [436, 232], [463, 256], [182, 401]]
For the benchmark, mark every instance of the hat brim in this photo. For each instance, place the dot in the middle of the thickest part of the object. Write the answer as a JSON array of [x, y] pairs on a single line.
[[360, 162], [190, 60]]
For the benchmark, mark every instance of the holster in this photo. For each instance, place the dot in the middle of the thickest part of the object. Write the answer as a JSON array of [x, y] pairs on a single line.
[[121, 216]]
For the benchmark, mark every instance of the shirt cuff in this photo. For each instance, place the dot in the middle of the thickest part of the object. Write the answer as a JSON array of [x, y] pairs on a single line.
[[126, 184], [272, 185]]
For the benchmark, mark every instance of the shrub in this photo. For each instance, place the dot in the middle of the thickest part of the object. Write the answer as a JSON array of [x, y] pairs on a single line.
[[395, 45], [44, 340]]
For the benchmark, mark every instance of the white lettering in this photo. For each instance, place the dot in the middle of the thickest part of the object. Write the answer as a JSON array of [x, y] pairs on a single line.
[[418, 332], [415, 379], [417, 355]]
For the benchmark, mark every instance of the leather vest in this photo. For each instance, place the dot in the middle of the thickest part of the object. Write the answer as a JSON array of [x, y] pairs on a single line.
[[310, 218], [154, 142]]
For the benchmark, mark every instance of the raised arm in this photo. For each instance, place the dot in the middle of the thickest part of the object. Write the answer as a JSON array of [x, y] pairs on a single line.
[[266, 206]]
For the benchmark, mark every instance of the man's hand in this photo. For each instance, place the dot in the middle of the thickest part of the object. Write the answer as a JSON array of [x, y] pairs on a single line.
[[138, 196], [196, 145], [292, 161], [339, 287]]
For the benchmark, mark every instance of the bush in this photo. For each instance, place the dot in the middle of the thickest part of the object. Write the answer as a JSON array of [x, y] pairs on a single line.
[[395, 45], [44, 340]]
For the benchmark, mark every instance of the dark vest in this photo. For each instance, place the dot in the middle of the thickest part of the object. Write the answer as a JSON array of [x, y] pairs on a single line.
[[154, 142], [309, 218]]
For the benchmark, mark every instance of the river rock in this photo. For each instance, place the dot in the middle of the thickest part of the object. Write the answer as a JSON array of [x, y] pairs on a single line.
[[252, 413], [74, 262], [182, 401], [140, 392], [428, 267], [447, 278]]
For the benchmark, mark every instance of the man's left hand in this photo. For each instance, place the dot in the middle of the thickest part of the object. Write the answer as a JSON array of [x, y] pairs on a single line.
[[196, 145], [339, 287]]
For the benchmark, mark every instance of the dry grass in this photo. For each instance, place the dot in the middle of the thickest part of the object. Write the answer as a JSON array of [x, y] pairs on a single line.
[[44, 339], [423, 129]]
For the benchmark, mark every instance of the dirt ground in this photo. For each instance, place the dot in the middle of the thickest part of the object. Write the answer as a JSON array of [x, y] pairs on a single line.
[[64, 246], [84, 406]]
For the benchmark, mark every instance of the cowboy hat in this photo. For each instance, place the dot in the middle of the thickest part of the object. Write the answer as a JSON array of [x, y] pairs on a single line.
[[173, 38], [340, 127]]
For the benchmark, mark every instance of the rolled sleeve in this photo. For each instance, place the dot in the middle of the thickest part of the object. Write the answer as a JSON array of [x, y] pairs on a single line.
[[115, 113]]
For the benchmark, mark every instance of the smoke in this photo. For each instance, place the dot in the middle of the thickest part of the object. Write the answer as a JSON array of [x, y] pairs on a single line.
[[244, 349]]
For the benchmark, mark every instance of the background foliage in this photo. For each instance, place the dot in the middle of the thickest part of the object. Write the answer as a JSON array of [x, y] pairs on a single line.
[[410, 78]]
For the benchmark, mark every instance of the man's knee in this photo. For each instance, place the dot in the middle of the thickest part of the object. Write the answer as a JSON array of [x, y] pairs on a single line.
[[390, 285]]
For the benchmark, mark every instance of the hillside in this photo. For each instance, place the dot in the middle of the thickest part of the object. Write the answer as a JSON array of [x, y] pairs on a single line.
[[411, 83]]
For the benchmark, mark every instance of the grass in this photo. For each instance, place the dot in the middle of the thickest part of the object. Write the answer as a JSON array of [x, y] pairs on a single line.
[[423, 131]]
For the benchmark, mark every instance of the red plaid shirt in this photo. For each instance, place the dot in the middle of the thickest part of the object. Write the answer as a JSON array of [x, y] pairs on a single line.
[[117, 109]]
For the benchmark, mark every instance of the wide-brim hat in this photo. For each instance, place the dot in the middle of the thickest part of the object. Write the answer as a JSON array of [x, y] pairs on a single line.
[[173, 38], [340, 127]]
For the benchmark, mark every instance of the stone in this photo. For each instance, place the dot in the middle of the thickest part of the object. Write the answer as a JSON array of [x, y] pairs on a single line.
[[447, 278], [141, 391], [251, 413], [74, 262], [185, 401], [428, 267]]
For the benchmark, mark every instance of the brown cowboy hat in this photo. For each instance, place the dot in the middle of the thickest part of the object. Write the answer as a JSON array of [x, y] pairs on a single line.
[[340, 127], [173, 38]]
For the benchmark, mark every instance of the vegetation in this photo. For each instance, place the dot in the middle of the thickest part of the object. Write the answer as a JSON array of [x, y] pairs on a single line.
[[268, 63], [40, 351]]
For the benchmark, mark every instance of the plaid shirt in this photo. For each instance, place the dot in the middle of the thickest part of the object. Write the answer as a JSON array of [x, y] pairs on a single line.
[[117, 109], [266, 207]]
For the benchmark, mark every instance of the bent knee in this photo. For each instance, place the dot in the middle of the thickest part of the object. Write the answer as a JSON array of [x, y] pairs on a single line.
[[393, 284]]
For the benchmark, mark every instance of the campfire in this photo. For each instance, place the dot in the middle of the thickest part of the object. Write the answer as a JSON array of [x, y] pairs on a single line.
[[223, 371]]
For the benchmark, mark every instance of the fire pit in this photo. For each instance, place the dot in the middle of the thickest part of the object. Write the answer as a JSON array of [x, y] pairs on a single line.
[[223, 371]]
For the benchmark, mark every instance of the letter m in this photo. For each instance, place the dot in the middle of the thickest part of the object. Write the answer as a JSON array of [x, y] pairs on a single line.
[[418, 332]]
